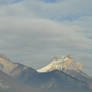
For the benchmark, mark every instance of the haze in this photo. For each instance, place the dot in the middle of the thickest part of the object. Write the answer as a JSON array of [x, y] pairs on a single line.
[[33, 31]]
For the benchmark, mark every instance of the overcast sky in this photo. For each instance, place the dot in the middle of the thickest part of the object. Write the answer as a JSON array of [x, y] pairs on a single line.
[[33, 31]]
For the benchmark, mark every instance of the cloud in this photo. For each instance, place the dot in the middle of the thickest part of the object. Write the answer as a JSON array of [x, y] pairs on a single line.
[[51, 1], [34, 41], [66, 9], [33, 31], [6, 2]]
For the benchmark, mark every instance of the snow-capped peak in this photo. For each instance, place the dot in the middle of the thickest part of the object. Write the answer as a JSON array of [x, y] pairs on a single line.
[[62, 63]]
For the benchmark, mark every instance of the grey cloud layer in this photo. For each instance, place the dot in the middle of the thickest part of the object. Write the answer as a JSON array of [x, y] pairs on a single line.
[[29, 35], [64, 9], [35, 41]]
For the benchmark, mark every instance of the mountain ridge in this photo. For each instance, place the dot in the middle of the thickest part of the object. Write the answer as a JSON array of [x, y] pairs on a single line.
[[63, 73], [14, 69], [62, 63]]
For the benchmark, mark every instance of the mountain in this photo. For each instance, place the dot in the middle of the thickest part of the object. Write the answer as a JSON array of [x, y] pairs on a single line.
[[66, 64], [62, 63], [58, 81], [16, 70], [69, 66], [63, 74], [9, 84]]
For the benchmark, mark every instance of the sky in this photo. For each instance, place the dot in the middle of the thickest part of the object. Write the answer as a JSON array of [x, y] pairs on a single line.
[[32, 32]]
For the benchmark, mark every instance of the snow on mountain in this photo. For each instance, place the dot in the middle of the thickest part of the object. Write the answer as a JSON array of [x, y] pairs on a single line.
[[62, 63]]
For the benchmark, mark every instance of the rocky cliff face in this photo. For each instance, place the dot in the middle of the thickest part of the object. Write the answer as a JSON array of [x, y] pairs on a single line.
[[62, 63]]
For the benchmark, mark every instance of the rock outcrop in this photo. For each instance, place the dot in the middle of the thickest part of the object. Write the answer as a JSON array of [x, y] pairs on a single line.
[[62, 63]]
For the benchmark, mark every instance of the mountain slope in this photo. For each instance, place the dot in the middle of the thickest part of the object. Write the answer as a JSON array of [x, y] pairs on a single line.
[[58, 80], [66, 64], [69, 66], [9, 84], [62, 74], [54, 81], [15, 70]]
